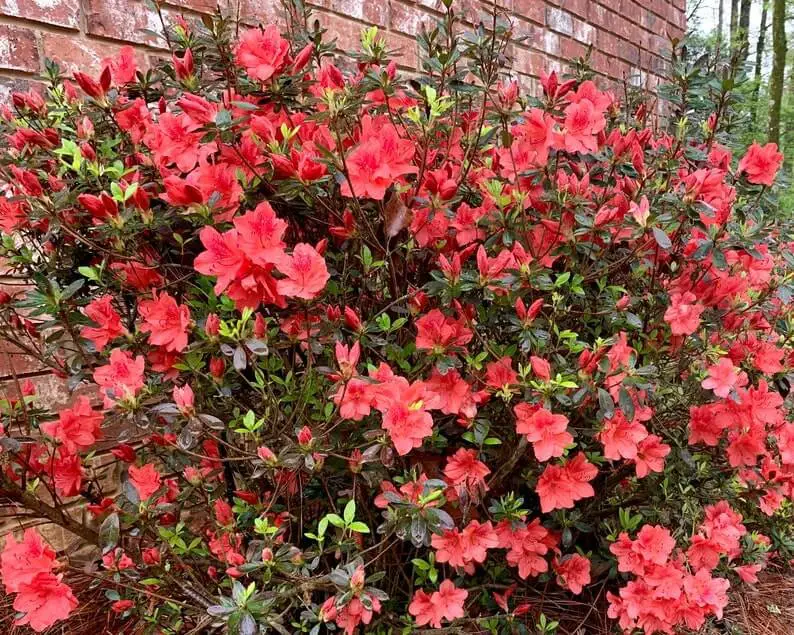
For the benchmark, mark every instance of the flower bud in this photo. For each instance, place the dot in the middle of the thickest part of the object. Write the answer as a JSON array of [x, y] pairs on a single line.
[[151, 556], [356, 461], [217, 367], [357, 579], [267, 455], [89, 85], [212, 325], [303, 58], [351, 319], [305, 436], [260, 327], [87, 151], [183, 67]]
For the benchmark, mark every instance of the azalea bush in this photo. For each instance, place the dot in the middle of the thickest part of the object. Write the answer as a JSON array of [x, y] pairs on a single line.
[[354, 351]]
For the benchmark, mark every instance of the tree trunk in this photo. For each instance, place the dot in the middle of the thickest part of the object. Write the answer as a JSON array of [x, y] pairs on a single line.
[[721, 20], [743, 34], [734, 22], [778, 67], [760, 49]]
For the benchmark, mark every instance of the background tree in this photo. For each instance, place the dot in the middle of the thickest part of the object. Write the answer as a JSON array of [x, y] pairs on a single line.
[[721, 20], [743, 32], [779, 47], [760, 49]]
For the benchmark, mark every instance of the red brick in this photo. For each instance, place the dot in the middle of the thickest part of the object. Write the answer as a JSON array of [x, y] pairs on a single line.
[[51, 391], [598, 15], [549, 43], [534, 10], [370, 11], [584, 32], [577, 7], [600, 62], [408, 19], [346, 32], [13, 361], [406, 49], [571, 49], [65, 13], [610, 44], [204, 6], [10, 85], [612, 4], [529, 62], [125, 20], [18, 50], [77, 55], [559, 20], [524, 29], [259, 11]]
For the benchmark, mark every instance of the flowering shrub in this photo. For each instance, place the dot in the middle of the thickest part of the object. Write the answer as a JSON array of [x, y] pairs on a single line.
[[379, 353]]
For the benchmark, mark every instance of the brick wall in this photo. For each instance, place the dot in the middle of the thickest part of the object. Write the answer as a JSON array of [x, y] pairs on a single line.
[[629, 37]]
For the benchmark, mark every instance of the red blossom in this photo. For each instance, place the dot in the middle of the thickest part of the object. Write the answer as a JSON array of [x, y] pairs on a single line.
[[166, 322], [262, 52], [761, 163], [444, 604], [145, 479]]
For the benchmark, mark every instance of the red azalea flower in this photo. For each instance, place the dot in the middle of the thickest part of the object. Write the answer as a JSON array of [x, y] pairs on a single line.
[[22, 561], [145, 479], [444, 604], [761, 163], [44, 601], [100, 311], [122, 378], [263, 53], [305, 271], [166, 322], [547, 432], [77, 428]]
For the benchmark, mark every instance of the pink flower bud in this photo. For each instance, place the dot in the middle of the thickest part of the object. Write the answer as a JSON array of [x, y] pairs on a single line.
[[90, 86], [217, 367], [305, 436], [357, 579], [351, 319], [183, 67], [212, 325], [184, 398], [260, 327], [303, 58], [267, 455]]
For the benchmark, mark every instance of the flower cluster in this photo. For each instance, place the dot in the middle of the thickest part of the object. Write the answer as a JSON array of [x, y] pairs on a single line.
[[27, 571], [351, 350]]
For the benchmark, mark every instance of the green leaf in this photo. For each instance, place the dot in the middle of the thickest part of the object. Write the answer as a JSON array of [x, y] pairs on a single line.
[[109, 533], [606, 403], [662, 239], [350, 512], [88, 272], [359, 527], [626, 404]]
